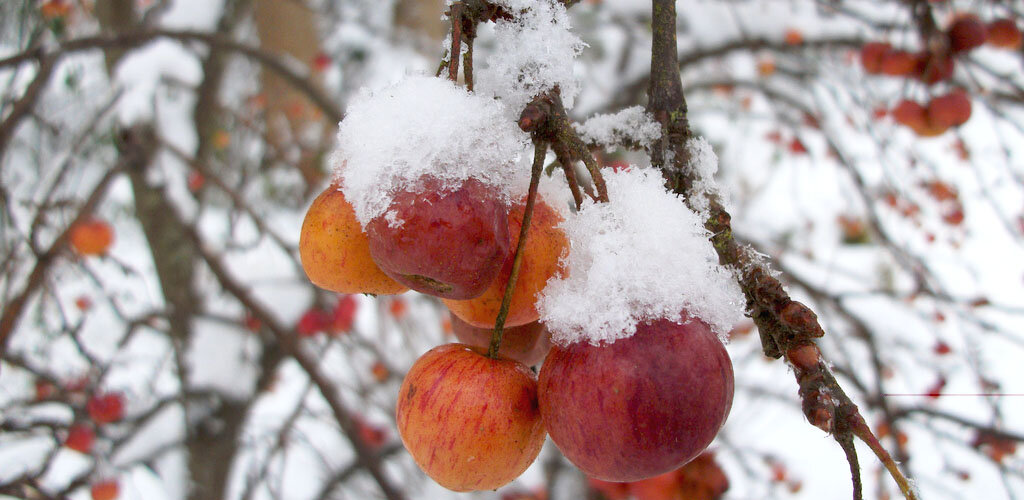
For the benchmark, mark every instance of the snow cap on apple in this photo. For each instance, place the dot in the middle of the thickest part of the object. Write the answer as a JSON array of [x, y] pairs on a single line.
[[394, 137], [642, 257]]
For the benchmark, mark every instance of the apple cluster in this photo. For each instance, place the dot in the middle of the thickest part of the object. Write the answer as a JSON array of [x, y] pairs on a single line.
[[621, 411], [428, 195], [636, 406], [936, 64]]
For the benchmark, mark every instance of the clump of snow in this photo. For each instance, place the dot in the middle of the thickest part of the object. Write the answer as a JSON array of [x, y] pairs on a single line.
[[704, 163], [640, 257], [631, 125], [392, 137], [535, 53]]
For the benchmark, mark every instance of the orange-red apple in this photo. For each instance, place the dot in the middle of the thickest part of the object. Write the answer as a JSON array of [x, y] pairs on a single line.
[[334, 250], [445, 242], [545, 245], [107, 489], [640, 406], [469, 421], [950, 110], [1005, 34], [871, 55], [91, 237], [898, 63], [527, 343]]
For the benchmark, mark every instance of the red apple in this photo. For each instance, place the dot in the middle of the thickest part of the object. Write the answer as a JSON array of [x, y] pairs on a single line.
[[933, 68], [447, 243], [545, 245], [80, 438], [950, 110], [105, 408], [871, 55], [909, 113], [469, 421], [640, 406], [527, 343], [898, 63], [966, 33]]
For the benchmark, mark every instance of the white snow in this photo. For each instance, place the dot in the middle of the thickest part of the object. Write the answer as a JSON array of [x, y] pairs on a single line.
[[610, 130], [704, 163], [538, 53], [642, 256], [392, 137]]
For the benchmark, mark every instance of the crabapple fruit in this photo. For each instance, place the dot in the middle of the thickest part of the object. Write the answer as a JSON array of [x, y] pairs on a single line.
[[334, 250], [450, 243], [469, 421], [541, 259], [640, 406]]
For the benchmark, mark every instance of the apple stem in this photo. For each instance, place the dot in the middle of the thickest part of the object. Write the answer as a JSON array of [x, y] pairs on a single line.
[[540, 150], [453, 55], [574, 185], [467, 61]]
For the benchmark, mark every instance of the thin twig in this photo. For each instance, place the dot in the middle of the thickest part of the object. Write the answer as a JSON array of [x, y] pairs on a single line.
[[540, 150]]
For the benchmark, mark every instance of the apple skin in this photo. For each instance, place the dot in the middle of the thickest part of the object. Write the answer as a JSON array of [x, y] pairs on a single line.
[[108, 489], [966, 33], [640, 406], [950, 110], [91, 237], [527, 343], [334, 250], [450, 243], [872, 54], [1004, 33], [469, 421], [541, 260]]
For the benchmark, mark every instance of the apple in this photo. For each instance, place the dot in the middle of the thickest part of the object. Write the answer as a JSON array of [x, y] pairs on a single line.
[[966, 33], [541, 260], [80, 438], [933, 68], [527, 343], [334, 251], [450, 243], [950, 110], [915, 116], [898, 63], [640, 406], [1004, 33], [793, 36], [105, 408], [91, 237], [871, 55], [107, 489], [469, 421]]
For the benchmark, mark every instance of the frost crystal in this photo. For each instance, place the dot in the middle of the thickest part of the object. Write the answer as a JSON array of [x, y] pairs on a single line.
[[535, 54], [632, 125], [390, 138], [640, 257]]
